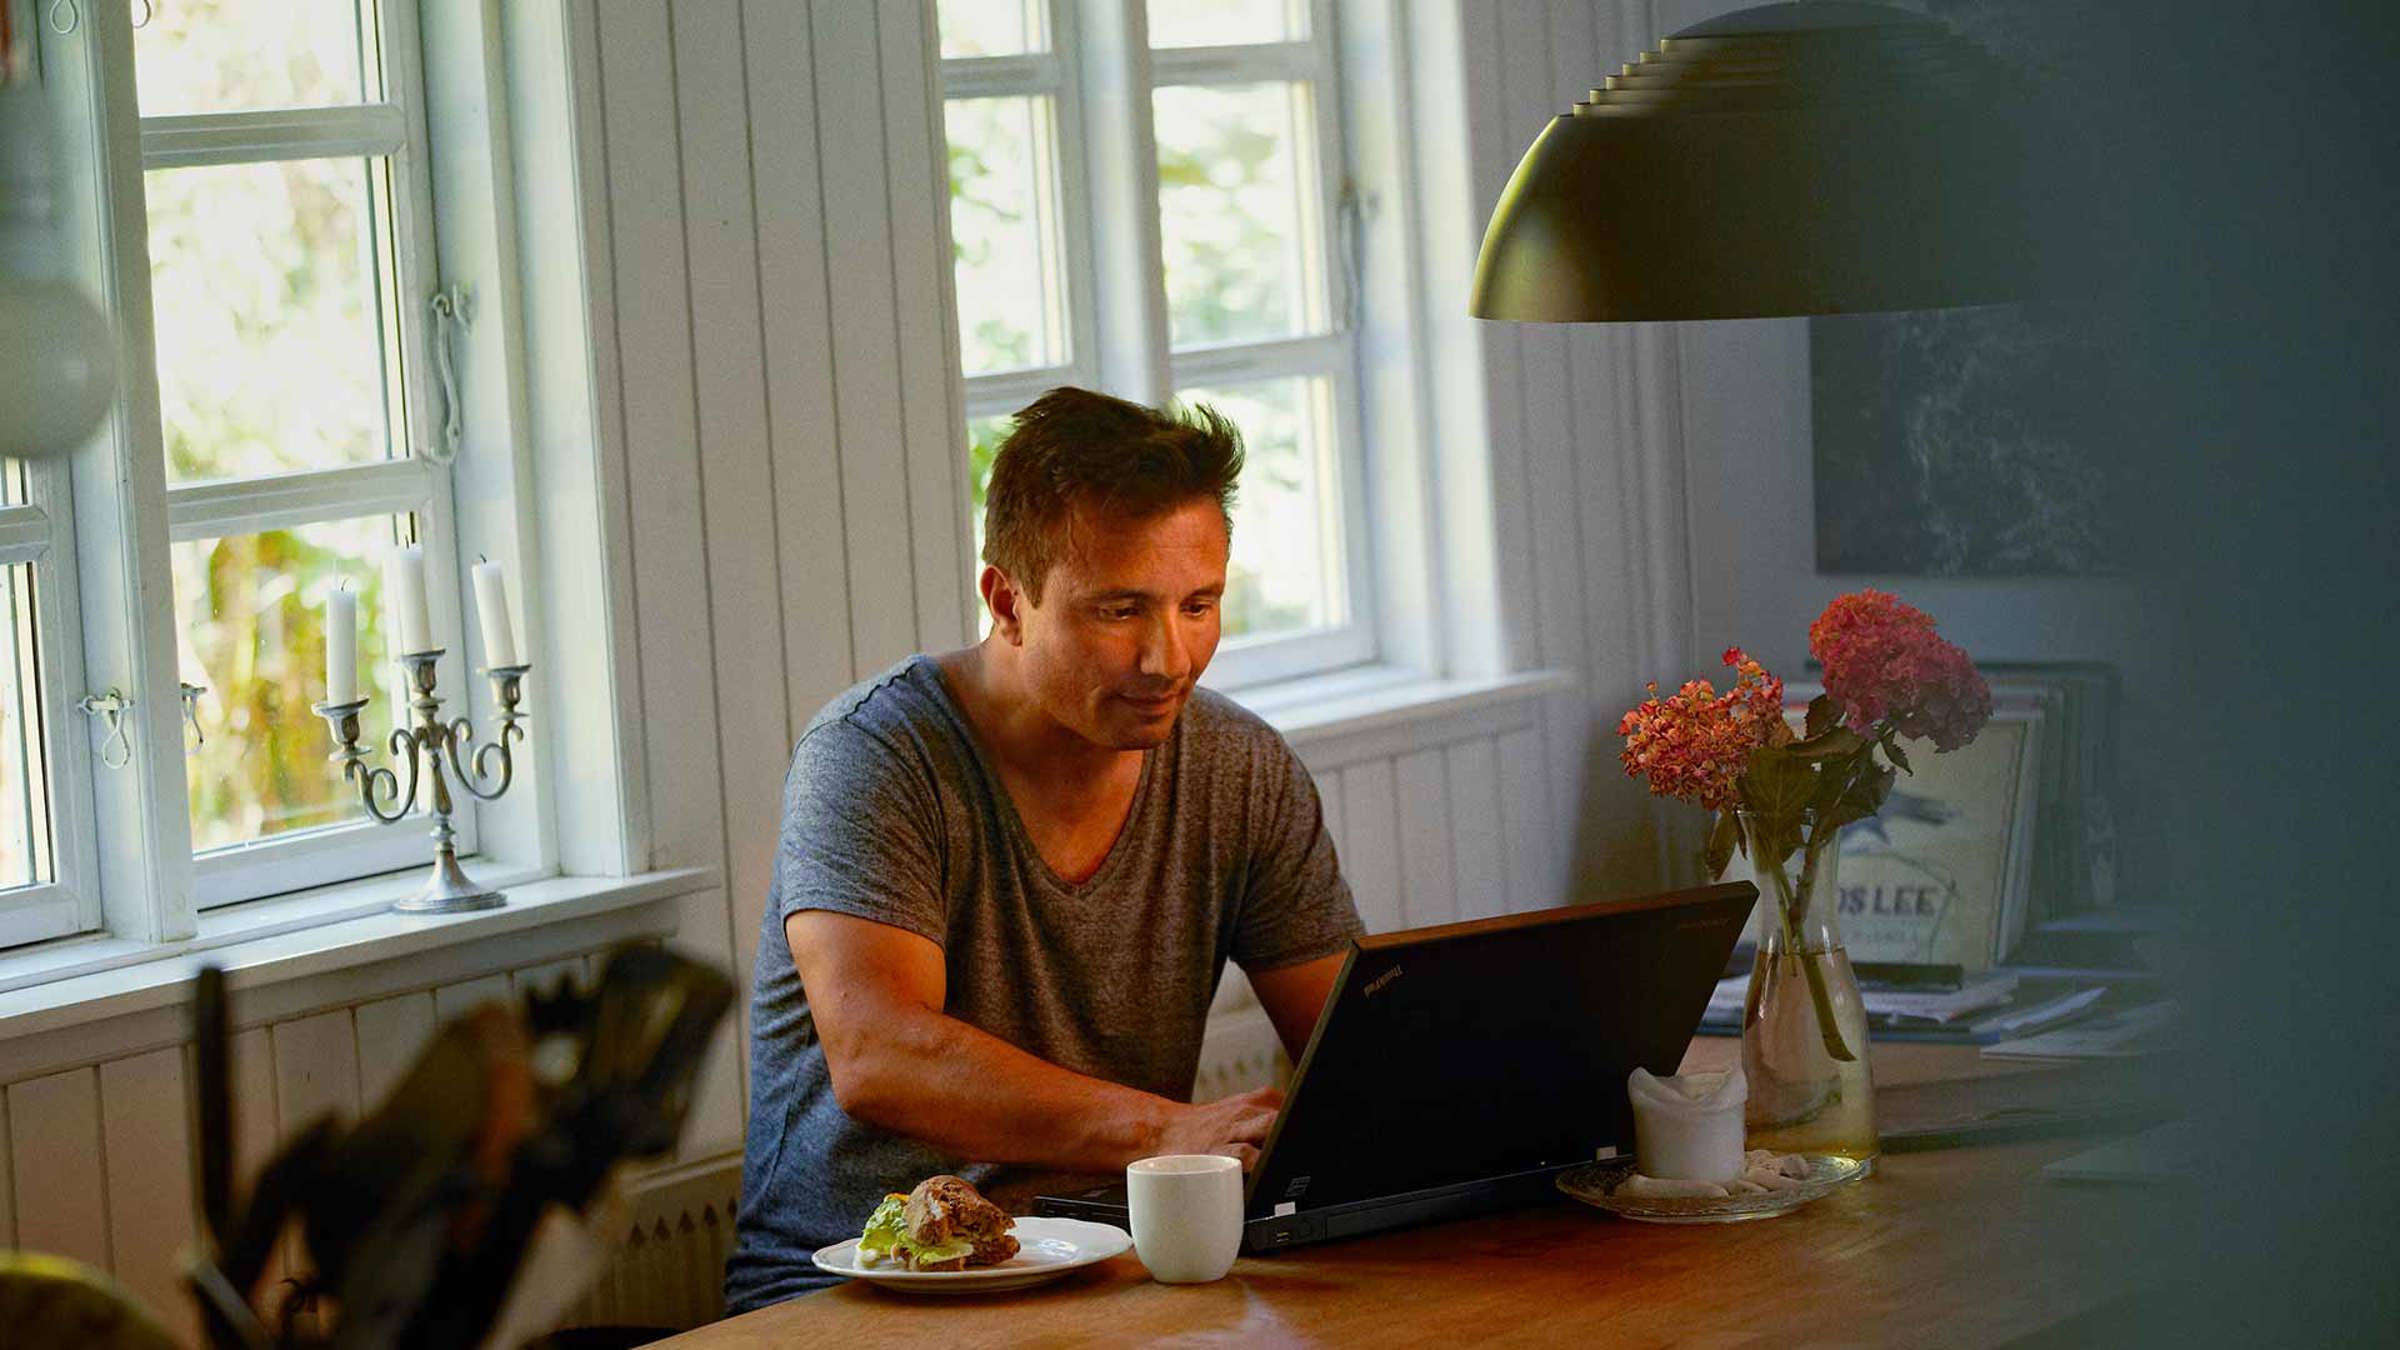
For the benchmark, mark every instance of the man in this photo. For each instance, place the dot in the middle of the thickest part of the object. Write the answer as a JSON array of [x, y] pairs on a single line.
[[1010, 876]]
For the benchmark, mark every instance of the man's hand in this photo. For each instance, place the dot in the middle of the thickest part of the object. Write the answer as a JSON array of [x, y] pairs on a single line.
[[1235, 1126]]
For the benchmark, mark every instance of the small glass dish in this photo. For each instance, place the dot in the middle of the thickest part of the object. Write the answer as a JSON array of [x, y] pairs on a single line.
[[1596, 1184]]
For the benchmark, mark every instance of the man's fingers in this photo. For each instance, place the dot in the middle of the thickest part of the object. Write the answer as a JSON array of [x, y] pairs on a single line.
[[1245, 1153]]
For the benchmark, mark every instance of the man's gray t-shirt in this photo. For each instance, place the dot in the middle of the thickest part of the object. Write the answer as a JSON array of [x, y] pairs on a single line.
[[891, 813]]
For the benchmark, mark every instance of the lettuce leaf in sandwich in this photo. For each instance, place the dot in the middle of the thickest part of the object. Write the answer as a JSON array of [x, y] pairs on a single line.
[[886, 1237]]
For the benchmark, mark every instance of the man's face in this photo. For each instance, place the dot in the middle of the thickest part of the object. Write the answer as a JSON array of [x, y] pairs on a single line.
[[1127, 621]]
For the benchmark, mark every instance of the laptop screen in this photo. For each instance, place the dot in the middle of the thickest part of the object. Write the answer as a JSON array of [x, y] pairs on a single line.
[[1475, 1050]]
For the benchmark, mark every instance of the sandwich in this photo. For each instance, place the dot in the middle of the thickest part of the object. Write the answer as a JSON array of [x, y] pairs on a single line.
[[944, 1224]]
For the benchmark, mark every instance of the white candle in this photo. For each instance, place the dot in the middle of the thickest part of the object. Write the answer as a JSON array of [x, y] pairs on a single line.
[[491, 607], [341, 647], [1688, 1128], [409, 615]]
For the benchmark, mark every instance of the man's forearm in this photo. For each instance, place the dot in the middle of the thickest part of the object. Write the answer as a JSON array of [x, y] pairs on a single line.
[[966, 1092]]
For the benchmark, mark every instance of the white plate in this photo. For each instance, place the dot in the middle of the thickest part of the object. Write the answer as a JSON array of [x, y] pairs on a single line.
[[1046, 1249]]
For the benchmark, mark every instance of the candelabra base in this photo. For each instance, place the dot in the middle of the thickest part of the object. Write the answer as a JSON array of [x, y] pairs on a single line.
[[450, 891]]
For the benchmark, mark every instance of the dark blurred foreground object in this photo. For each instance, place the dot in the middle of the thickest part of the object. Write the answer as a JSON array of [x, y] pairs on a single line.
[[1813, 158], [419, 1220], [49, 1300]]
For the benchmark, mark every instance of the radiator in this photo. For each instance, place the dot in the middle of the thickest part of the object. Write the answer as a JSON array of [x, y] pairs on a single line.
[[667, 1265]]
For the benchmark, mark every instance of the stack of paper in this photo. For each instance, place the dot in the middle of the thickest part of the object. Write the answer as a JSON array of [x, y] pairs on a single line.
[[2117, 1035]]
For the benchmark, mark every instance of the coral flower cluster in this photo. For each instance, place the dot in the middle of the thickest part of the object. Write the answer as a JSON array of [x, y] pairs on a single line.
[[1695, 743], [1882, 659]]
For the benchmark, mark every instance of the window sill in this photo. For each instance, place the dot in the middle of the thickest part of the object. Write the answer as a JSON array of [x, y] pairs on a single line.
[[294, 955], [1369, 711]]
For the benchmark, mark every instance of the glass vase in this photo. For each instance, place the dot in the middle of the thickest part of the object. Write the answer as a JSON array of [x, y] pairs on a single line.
[[1804, 1027]]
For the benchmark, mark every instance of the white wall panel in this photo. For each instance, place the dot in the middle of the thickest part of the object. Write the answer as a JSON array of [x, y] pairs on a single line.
[[1371, 829], [798, 329], [8, 1191], [867, 396], [1428, 887], [152, 1196], [316, 1069], [1473, 788], [1526, 827], [391, 1032], [736, 468], [61, 1196], [1329, 805], [256, 1119], [453, 999], [916, 157], [656, 403]]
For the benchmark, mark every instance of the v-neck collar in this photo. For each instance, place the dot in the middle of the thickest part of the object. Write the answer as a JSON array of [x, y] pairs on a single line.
[[1021, 837]]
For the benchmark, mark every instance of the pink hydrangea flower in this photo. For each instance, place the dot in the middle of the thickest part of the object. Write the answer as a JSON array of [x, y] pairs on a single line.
[[1882, 660]]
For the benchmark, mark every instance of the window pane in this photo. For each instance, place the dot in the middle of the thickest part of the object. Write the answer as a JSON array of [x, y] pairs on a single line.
[[984, 435], [1286, 573], [251, 611], [1217, 23], [993, 27], [1232, 216], [197, 56], [265, 285], [1004, 234], [24, 767]]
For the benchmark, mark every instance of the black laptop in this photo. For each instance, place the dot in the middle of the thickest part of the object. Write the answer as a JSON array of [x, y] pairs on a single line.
[[1457, 1069]]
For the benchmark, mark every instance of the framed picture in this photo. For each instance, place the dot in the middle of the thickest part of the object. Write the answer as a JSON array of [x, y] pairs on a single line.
[[1943, 875]]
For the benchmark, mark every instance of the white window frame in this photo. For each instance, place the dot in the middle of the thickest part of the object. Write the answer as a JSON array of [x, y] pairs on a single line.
[[99, 526], [1100, 73], [41, 532]]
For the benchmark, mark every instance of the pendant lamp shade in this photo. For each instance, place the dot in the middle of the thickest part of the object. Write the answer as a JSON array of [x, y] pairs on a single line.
[[1808, 158]]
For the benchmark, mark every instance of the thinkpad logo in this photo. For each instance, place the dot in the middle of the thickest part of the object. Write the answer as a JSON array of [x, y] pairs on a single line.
[[1375, 986]]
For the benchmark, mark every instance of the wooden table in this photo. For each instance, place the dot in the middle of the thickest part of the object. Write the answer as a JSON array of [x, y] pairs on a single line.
[[1957, 1247]]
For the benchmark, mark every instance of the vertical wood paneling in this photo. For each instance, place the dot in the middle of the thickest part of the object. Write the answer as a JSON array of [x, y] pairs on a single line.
[[1371, 830], [316, 1069], [654, 338], [1530, 32], [738, 486], [1329, 805], [1525, 821], [867, 401], [916, 157], [798, 325], [1473, 789], [1428, 887], [257, 1122], [55, 1145], [1497, 146], [451, 1000], [392, 1032], [151, 1195], [8, 1191]]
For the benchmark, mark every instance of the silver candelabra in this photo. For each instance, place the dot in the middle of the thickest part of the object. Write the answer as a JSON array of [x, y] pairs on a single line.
[[484, 771]]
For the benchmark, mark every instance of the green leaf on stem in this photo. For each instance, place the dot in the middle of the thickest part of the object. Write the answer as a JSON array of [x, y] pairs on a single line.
[[1860, 796], [1893, 752], [1823, 715], [1722, 839], [1829, 745], [1777, 788]]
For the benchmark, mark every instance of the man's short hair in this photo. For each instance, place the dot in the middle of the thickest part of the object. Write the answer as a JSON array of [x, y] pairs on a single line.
[[1072, 447]]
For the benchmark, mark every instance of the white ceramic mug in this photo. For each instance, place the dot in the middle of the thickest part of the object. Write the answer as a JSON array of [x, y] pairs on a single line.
[[1187, 1215]]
